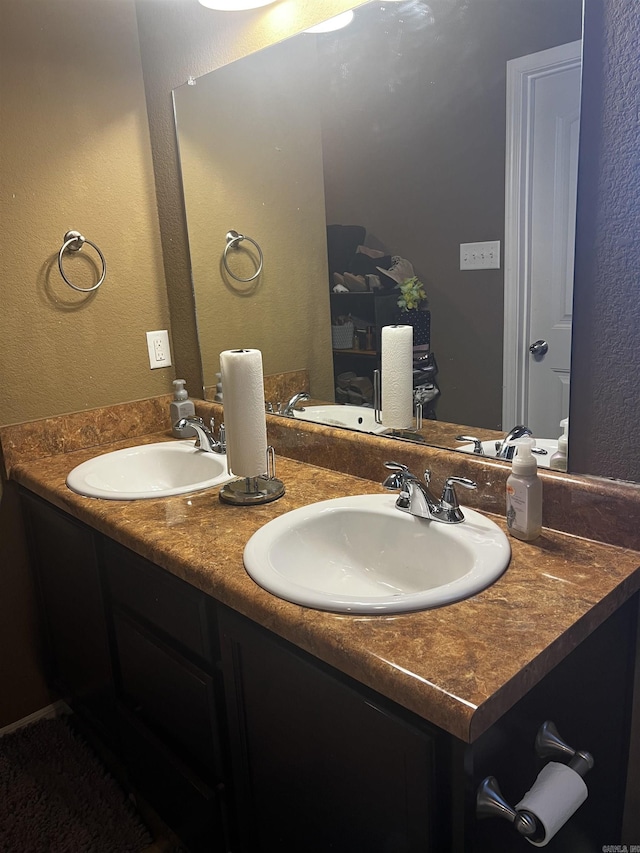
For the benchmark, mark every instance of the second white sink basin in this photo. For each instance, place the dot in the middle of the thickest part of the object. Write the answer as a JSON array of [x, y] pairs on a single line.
[[363, 555], [352, 417], [149, 471]]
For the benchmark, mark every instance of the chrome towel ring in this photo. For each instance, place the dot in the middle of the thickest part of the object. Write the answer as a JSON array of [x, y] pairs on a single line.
[[74, 241], [233, 242]]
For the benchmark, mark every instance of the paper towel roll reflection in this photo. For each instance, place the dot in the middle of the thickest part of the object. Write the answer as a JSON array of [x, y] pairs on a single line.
[[244, 414], [397, 376], [556, 794]]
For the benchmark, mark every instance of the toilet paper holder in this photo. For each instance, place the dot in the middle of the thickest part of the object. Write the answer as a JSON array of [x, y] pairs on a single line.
[[548, 744]]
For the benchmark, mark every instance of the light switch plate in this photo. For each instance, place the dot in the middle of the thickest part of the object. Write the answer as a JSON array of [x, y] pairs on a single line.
[[480, 256], [159, 351]]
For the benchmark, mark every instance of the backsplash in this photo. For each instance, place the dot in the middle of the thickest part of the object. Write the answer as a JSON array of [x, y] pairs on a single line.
[[593, 508]]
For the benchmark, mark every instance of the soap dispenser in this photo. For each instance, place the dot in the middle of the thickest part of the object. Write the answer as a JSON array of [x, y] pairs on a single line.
[[181, 407], [558, 461], [524, 494]]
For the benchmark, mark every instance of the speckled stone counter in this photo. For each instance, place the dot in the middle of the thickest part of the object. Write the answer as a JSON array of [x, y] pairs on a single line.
[[460, 667]]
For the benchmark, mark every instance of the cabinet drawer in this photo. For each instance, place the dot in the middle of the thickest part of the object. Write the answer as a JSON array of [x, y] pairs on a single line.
[[165, 602], [172, 696]]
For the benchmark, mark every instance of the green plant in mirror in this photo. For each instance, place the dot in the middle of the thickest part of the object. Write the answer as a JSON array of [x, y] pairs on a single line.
[[412, 293]]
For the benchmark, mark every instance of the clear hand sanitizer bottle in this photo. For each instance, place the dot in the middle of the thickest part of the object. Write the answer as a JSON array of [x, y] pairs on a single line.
[[524, 494]]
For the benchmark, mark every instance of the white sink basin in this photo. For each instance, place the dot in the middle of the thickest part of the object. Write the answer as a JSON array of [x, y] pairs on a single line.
[[353, 417], [149, 471], [363, 555], [550, 445]]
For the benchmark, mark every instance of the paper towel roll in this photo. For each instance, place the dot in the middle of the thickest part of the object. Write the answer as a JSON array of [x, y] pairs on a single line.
[[397, 377], [555, 796], [244, 416]]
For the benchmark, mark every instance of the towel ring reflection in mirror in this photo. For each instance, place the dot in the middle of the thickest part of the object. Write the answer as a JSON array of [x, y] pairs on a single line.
[[73, 241], [233, 242]]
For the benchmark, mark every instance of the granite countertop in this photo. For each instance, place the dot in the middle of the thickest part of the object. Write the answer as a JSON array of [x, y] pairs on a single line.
[[460, 667]]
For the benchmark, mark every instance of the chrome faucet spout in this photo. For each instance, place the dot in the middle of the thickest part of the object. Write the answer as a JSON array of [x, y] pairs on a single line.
[[505, 449], [205, 439], [300, 397], [415, 497]]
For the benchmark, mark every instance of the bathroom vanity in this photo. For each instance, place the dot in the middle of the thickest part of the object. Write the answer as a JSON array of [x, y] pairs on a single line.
[[254, 724]]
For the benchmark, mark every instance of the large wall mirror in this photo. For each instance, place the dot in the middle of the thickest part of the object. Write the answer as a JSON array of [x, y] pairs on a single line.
[[415, 123]]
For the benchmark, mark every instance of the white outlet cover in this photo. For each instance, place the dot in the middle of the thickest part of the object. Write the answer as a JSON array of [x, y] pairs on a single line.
[[158, 348]]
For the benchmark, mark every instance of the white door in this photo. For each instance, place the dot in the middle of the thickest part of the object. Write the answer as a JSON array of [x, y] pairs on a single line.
[[543, 110]]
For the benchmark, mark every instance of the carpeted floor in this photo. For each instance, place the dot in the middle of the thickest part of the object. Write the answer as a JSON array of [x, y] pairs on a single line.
[[56, 797]]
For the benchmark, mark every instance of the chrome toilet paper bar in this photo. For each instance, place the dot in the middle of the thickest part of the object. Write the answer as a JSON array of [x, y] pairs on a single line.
[[548, 744]]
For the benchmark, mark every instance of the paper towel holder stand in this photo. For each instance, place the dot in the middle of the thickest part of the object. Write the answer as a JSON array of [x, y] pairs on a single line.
[[407, 434], [251, 491], [548, 744]]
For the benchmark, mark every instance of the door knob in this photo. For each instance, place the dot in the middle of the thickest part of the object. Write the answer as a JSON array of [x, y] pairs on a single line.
[[539, 348]]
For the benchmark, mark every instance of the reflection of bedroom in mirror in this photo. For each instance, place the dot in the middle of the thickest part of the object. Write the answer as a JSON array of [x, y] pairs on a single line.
[[404, 125]]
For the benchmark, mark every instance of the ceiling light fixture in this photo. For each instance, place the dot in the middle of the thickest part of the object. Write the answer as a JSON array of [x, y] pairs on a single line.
[[332, 24], [234, 5]]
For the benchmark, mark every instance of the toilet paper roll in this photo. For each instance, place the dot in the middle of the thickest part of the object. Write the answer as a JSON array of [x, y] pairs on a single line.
[[244, 414], [397, 376], [556, 794]]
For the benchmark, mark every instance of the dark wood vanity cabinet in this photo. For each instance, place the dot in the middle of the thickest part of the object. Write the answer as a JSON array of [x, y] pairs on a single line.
[[245, 743], [322, 765], [133, 650]]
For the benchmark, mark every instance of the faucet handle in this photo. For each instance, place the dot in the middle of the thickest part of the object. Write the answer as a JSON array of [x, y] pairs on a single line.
[[396, 466], [399, 476], [449, 500], [465, 482], [477, 444], [221, 439]]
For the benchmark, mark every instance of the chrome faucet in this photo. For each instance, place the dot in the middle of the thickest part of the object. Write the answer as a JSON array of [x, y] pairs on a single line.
[[205, 440], [416, 499], [505, 449], [288, 408]]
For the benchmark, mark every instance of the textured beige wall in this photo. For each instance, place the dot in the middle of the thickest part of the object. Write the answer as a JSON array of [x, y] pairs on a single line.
[[75, 153], [258, 170]]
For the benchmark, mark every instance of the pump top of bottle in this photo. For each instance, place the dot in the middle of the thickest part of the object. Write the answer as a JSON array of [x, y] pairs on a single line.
[[563, 440], [524, 462], [179, 391]]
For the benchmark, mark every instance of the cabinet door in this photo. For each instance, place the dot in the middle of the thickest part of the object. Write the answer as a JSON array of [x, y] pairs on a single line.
[[171, 696], [71, 596], [319, 765], [193, 809]]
